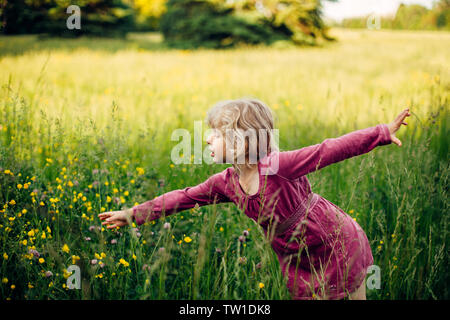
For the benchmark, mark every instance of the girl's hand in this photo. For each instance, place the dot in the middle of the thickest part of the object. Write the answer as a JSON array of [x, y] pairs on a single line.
[[395, 125], [115, 219]]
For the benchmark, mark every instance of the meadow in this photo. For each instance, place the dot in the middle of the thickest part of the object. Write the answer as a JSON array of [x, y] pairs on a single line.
[[86, 124]]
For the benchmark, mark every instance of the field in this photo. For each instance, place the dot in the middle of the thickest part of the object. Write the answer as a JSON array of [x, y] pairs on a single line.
[[85, 127]]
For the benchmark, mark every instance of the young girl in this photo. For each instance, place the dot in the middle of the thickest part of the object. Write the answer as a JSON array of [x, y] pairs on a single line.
[[324, 251]]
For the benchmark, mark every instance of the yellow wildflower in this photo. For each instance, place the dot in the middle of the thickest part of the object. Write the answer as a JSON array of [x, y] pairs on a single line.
[[65, 248], [75, 259], [187, 239], [123, 262], [261, 285]]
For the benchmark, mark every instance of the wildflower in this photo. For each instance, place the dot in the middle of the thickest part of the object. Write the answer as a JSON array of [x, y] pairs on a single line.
[[261, 285], [19, 186], [75, 259], [187, 239], [31, 233], [221, 229], [94, 261], [146, 267], [66, 274], [108, 199], [5, 256], [242, 260], [241, 238], [113, 241], [41, 260], [134, 256], [87, 238], [245, 233], [123, 262], [13, 287], [48, 274], [65, 248], [30, 285], [5, 280], [12, 202], [140, 171], [351, 211], [259, 265], [166, 225], [34, 253]]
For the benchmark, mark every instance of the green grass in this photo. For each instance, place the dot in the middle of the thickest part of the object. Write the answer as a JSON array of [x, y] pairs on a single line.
[[69, 107]]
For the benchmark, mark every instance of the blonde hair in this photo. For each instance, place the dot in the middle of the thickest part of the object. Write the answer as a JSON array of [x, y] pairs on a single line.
[[246, 114]]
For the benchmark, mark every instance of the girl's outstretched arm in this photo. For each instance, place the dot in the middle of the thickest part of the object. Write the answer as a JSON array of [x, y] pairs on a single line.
[[207, 192], [296, 163]]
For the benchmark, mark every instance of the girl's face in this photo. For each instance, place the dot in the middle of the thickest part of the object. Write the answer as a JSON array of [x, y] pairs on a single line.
[[217, 146]]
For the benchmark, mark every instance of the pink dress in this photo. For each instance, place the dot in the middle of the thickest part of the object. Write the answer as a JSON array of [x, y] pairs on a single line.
[[323, 250]]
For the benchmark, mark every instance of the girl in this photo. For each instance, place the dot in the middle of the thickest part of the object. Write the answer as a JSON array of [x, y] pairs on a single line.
[[323, 250]]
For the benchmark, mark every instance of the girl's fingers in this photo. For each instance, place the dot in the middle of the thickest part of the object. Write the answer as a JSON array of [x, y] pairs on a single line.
[[104, 215], [396, 141]]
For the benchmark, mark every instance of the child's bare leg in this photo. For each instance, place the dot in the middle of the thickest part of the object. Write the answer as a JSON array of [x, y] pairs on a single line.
[[359, 293]]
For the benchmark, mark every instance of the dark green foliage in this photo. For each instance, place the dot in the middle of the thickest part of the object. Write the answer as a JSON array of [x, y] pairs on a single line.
[[198, 23], [98, 18]]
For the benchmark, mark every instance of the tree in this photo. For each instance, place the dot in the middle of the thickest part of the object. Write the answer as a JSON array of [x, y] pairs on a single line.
[[203, 23], [98, 17], [217, 23]]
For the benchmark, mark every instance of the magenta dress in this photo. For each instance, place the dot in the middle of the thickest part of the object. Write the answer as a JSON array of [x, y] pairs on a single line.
[[323, 250]]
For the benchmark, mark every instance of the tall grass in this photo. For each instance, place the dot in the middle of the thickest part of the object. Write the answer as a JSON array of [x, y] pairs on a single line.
[[79, 123]]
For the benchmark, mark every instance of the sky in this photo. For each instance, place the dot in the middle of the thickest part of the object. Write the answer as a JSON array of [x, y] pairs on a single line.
[[352, 8]]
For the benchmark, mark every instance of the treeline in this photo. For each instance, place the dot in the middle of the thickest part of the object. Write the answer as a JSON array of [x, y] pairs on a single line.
[[184, 23], [411, 17]]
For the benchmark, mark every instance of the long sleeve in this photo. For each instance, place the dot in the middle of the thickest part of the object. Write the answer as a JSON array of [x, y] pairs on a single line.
[[296, 163], [207, 192]]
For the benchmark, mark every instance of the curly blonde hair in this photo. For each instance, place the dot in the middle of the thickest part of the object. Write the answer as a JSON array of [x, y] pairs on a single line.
[[240, 119]]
